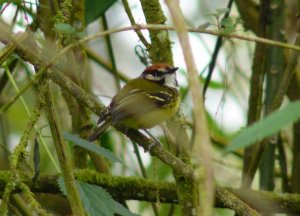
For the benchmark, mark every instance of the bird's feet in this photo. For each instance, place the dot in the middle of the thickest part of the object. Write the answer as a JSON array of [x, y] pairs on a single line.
[[154, 143]]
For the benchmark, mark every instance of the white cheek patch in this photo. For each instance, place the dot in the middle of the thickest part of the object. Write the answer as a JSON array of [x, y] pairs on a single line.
[[150, 77], [170, 80]]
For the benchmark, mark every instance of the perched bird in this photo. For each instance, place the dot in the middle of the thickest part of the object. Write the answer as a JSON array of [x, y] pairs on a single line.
[[143, 102]]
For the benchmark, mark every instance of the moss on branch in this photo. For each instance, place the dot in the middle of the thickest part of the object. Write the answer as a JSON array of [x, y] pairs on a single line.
[[136, 188]]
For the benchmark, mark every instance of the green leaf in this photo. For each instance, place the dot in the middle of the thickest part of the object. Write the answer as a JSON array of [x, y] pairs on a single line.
[[228, 22], [228, 30], [266, 127], [95, 9], [96, 200], [92, 147], [229, 25]]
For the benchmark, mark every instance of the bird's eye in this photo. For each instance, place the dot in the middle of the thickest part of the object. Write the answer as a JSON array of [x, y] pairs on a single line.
[[155, 74]]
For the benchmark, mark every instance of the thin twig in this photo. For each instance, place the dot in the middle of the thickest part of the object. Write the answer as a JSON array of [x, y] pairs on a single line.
[[111, 53], [132, 21], [215, 53], [201, 141], [4, 35], [196, 30]]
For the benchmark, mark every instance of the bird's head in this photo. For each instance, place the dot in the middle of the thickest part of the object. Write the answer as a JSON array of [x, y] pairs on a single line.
[[162, 74]]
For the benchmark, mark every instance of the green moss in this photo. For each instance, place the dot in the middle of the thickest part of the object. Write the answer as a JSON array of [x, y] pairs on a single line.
[[20, 150], [4, 177], [116, 185], [153, 12], [160, 49], [9, 187], [63, 16]]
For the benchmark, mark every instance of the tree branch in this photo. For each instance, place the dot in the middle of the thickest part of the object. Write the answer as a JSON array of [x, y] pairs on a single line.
[[135, 188]]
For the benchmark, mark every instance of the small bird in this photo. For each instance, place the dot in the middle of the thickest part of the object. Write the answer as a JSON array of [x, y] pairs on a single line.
[[143, 102]]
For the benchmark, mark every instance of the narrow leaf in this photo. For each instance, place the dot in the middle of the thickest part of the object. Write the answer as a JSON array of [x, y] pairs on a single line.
[[92, 147], [95, 9], [96, 200], [266, 127], [228, 22]]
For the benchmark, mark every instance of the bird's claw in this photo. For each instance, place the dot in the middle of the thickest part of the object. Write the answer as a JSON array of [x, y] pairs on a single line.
[[154, 143]]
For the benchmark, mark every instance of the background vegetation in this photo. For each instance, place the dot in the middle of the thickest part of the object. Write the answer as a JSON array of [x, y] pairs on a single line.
[[232, 148]]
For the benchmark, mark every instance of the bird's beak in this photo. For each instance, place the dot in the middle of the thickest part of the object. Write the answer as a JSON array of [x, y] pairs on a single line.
[[172, 70]]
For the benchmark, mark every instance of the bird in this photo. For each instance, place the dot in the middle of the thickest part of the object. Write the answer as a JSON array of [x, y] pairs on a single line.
[[144, 102]]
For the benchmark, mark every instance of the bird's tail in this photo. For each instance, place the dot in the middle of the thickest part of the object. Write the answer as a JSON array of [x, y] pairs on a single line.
[[102, 126]]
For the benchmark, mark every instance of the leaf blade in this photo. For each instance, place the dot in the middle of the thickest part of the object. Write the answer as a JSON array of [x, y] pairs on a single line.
[[266, 127], [95, 9], [92, 147], [96, 200]]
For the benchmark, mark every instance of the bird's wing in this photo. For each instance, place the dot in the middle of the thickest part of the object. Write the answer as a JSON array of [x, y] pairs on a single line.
[[137, 102]]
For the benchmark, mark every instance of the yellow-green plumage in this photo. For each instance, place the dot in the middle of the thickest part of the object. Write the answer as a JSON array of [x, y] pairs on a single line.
[[140, 110], [143, 102]]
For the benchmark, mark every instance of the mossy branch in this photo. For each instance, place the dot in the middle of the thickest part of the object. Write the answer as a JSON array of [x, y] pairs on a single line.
[[64, 159], [19, 152], [135, 188], [160, 48]]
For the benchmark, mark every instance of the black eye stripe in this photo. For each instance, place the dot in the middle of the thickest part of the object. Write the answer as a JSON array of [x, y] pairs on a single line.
[[156, 73]]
